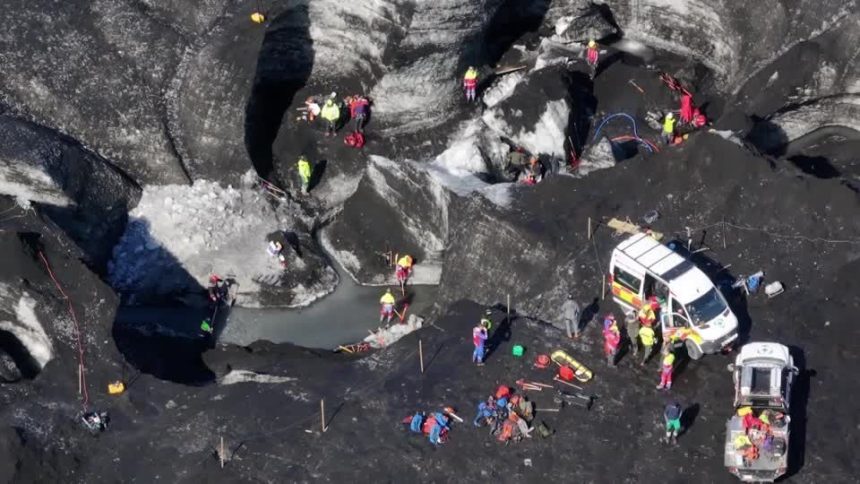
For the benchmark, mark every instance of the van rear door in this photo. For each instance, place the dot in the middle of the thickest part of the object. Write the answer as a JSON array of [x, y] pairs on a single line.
[[626, 287]]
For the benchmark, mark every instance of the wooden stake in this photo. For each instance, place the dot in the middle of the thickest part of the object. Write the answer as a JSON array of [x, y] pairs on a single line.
[[603, 288], [589, 228], [421, 355], [508, 308], [724, 233], [80, 380], [221, 453], [322, 415]]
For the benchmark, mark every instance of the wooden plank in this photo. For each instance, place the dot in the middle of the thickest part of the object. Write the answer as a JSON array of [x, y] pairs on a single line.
[[507, 70], [623, 227]]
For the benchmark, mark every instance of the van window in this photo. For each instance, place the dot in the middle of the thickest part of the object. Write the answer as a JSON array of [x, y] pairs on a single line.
[[707, 307], [627, 279]]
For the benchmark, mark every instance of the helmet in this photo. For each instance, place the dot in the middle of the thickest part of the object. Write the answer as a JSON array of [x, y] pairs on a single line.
[[329, 102], [471, 68], [388, 291], [669, 115], [303, 158], [258, 18], [332, 95], [592, 43]]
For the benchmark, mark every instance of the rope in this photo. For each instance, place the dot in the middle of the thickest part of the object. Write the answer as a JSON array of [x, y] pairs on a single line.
[[85, 394], [644, 142], [611, 116], [777, 235]]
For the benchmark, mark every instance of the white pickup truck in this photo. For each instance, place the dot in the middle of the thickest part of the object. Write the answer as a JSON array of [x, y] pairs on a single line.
[[757, 436]]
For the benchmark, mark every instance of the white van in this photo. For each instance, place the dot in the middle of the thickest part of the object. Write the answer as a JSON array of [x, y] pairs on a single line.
[[642, 267]]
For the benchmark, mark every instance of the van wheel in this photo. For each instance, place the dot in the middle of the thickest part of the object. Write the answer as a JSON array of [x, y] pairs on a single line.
[[693, 350]]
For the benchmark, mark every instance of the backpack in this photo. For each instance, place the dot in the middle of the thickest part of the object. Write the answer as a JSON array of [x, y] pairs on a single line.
[[543, 430], [355, 139]]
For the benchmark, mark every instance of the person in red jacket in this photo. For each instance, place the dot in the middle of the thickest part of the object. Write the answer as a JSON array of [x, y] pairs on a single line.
[[470, 83], [359, 109], [592, 57], [611, 339], [686, 107]]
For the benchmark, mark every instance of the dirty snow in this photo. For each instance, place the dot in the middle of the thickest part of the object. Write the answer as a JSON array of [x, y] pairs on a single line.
[[546, 137], [26, 326], [243, 376], [180, 234], [502, 88], [21, 180]]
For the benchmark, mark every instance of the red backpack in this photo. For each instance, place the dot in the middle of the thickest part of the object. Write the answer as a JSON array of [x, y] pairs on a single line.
[[355, 139]]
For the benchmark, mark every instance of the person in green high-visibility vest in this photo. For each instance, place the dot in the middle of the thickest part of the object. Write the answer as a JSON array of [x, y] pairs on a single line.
[[304, 167]]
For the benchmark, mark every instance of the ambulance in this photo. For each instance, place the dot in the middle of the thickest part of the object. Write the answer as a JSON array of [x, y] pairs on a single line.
[[692, 310]]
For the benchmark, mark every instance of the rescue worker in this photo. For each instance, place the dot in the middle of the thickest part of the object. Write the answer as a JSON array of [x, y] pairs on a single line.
[[672, 417], [648, 337], [276, 249], [699, 120], [387, 301], [631, 322], [470, 83], [403, 270], [611, 339], [571, 313], [668, 132], [312, 109], [439, 428], [331, 114], [686, 107], [591, 57], [359, 108], [646, 314], [486, 413], [523, 426], [479, 337], [666, 372], [516, 161], [304, 167]]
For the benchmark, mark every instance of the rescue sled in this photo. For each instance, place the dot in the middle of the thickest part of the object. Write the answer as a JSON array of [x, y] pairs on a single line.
[[581, 373]]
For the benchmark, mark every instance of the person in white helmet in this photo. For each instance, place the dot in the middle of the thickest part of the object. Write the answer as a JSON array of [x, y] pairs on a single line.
[[668, 128]]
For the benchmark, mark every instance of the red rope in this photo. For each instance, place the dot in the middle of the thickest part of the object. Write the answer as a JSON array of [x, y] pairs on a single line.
[[83, 373]]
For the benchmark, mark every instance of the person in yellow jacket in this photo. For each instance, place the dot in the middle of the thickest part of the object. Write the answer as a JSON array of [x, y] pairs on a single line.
[[387, 312], [470, 83], [304, 167], [403, 270], [668, 128], [331, 114], [648, 338]]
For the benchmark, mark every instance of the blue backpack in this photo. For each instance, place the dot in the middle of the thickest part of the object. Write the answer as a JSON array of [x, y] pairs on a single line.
[[417, 422]]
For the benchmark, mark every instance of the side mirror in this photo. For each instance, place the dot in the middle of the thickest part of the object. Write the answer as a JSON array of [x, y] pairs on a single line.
[[730, 367]]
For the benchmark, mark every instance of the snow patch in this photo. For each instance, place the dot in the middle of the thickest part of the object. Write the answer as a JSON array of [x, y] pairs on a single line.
[[23, 181], [547, 136], [502, 89], [26, 327], [245, 376], [178, 235]]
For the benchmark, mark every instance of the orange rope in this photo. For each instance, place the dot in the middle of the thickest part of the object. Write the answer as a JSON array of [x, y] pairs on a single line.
[[86, 396]]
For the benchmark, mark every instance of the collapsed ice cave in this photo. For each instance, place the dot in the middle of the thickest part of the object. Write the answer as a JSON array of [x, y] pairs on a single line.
[[139, 138]]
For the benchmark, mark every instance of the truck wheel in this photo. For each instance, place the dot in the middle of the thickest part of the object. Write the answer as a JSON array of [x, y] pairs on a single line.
[[693, 350]]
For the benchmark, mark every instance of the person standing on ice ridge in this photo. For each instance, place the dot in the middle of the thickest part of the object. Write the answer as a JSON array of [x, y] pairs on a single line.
[[359, 107], [592, 56], [387, 311], [304, 167], [668, 128], [470, 83], [479, 337], [403, 270], [666, 371], [331, 115]]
